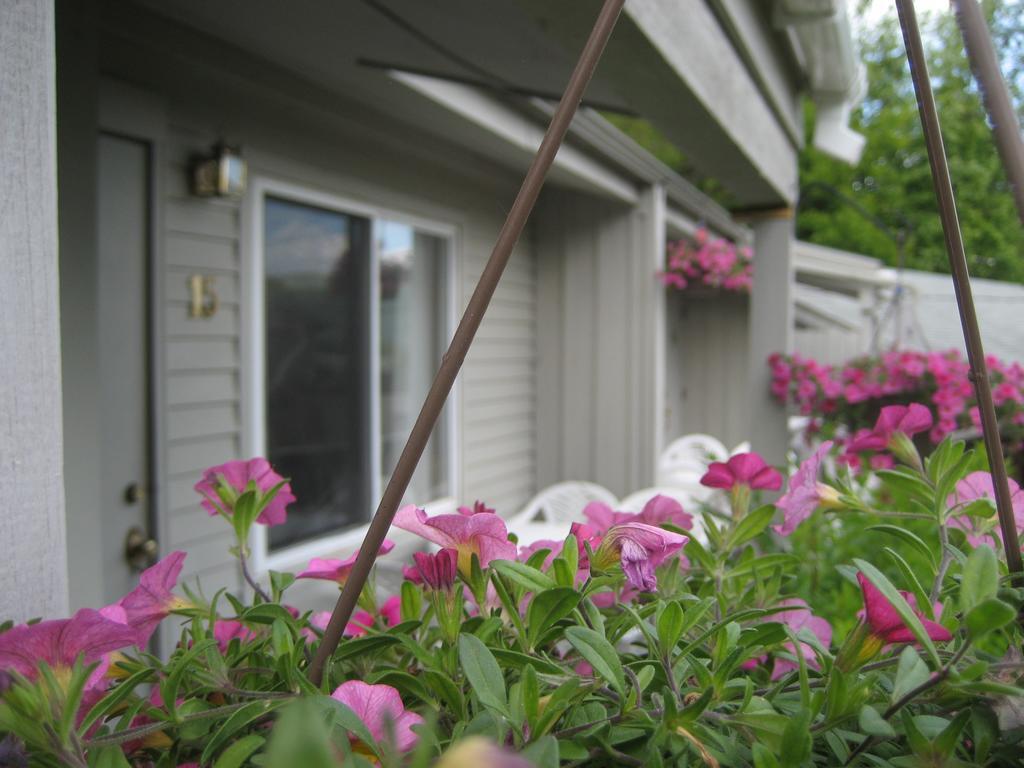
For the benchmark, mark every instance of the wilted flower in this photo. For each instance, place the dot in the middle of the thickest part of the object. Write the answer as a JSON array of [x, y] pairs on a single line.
[[332, 569], [151, 602], [884, 621], [483, 535], [88, 634], [978, 485], [221, 486], [381, 709], [805, 493], [638, 548]]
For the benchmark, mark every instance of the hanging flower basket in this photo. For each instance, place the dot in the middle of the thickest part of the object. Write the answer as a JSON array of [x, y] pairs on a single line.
[[708, 265]]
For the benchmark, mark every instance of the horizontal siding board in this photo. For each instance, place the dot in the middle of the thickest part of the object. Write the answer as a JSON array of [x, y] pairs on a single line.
[[200, 251], [193, 456], [177, 322], [198, 388], [197, 216], [194, 524], [202, 421], [205, 355]]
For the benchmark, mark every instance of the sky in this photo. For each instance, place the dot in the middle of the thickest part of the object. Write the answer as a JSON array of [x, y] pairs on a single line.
[[878, 8]]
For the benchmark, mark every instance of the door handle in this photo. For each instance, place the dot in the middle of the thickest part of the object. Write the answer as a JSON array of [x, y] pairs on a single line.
[[140, 550]]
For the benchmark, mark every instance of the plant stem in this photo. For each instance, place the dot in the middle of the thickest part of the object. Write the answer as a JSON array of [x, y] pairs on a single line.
[[944, 563], [912, 694], [243, 561]]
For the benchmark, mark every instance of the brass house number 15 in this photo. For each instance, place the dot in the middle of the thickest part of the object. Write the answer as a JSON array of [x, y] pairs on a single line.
[[203, 300]]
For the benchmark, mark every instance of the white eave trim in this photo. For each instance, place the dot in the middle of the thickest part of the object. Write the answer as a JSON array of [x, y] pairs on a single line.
[[510, 126]]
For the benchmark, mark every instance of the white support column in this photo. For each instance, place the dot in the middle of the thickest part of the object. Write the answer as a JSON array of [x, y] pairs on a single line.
[[771, 330], [33, 566], [649, 337]]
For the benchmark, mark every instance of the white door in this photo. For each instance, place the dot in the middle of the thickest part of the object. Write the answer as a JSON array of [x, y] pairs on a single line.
[[123, 215]]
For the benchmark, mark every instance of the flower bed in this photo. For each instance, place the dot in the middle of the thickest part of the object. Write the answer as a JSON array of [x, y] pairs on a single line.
[[668, 637]]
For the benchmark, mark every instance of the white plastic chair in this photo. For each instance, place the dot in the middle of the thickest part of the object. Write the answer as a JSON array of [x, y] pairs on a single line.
[[690, 502], [550, 513], [685, 460]]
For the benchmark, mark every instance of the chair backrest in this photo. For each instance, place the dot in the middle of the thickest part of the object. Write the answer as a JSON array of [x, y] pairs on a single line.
[[690, 502], [563, 503], [689, 456]]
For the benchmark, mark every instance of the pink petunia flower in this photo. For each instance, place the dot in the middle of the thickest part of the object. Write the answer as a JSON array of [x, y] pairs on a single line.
[[390, 614], [381, 709], [664, 509], [894, 420], [332, 569], [483, 535], [438, 571], [885, 623], [59, 642], [747, 469], [152, 600], [639, 548], [797, 618], [478, 508], [226, 630], [805, 493], [220, 487], [978, 485]]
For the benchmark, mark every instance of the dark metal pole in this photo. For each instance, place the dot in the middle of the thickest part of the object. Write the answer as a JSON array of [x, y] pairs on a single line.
[[961, 278], [994, 94], [463, 338]]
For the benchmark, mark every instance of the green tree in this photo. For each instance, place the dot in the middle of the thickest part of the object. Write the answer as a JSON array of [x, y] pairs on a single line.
[[893, 181]]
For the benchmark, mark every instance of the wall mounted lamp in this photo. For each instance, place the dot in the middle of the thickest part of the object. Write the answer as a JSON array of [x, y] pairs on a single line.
[[222, 173]]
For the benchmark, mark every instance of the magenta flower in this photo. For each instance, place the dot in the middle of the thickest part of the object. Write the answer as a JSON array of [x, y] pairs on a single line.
[[885, 623], [638, 548], [602, 517], [907, 420], [747, 469], [805, 493], [483, 535], [390, 614], [381, 709], [151, 602], [226, 630], [438, 571], [221, 486], [88, 634], [797, 618], [332, 569], [664, 509], [979, 531], [478, 508]]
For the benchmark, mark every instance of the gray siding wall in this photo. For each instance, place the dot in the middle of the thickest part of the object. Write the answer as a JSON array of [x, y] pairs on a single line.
[[330, 146], [706, 366]]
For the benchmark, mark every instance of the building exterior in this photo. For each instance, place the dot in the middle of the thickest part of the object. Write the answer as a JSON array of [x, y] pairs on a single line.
[[155, 331]]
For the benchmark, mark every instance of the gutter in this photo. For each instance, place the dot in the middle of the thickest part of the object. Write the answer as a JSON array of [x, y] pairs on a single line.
[[822, 40]]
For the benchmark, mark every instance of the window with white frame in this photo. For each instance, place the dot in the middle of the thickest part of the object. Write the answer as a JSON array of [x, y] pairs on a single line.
[[356, 313]]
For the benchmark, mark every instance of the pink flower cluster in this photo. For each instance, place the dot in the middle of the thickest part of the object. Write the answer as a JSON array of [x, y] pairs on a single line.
[[709, 262], [851, 394]]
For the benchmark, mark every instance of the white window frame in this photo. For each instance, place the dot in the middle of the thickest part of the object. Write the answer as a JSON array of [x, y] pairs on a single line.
[[253, 353]]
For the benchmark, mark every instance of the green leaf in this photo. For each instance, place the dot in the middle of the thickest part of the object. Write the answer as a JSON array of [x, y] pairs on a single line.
[[548, 608], [235, 755], [412, 601], [670, 627], [483, 673], [596, 649], [907, 483], [525, 576], [543, 753], [300, 738], [910, 673], [872, 723], [509, 658], [910, 619], [796, 740], [751, 526], [911, 578], [108, 757], [763, 757], [988, 616], [907, 537], [239, 719], [980, 578]]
